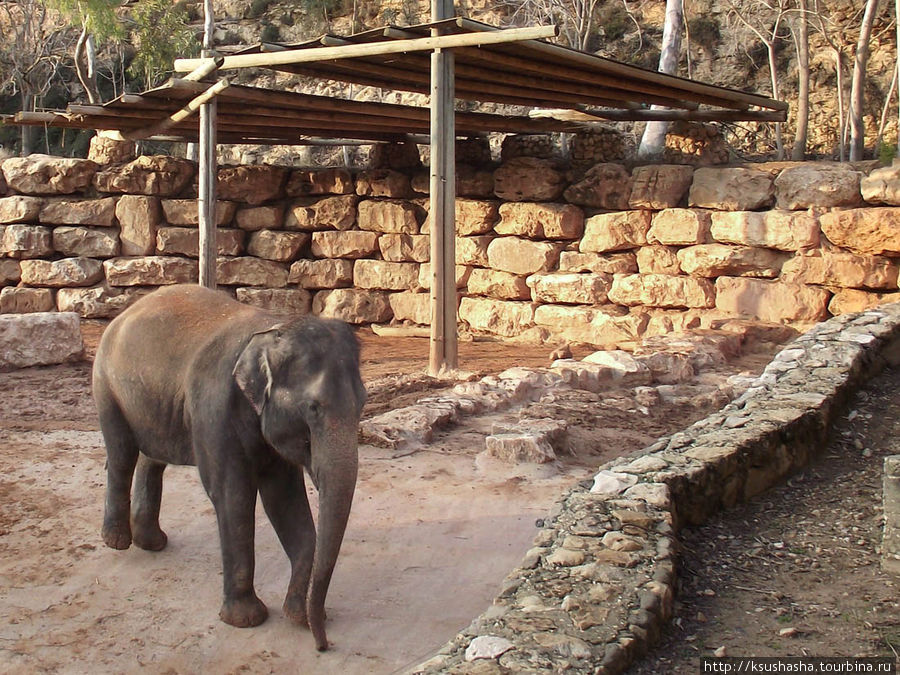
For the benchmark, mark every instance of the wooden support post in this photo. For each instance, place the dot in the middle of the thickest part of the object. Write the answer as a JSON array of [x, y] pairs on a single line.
[[443, 356], [206, 204]]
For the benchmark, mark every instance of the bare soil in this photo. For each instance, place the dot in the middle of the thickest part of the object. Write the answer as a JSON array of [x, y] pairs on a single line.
[[430, 539]]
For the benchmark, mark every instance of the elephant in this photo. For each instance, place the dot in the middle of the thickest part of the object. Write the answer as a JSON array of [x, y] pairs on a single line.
[[189, 376]]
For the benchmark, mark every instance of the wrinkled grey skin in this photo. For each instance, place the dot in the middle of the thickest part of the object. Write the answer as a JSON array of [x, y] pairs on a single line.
[[189, 376]]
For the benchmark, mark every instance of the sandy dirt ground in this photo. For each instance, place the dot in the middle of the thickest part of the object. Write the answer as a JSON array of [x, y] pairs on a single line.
[[431, 536]]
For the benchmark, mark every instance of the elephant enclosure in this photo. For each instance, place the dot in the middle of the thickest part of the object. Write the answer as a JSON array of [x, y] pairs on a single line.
[[431, 536]]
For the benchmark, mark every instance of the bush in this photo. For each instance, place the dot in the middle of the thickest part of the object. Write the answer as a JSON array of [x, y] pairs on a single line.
[[257, 8], [269, 33], [705, 31]]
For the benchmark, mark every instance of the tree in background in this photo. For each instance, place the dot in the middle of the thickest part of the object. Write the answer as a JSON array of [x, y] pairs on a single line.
[[160, 33], [577, 19], [800, 33], [857, 87]]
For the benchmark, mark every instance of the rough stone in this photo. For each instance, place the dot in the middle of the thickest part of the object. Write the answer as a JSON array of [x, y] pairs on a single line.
[[99, 302], [775, 301], [353, 305], [731, 189], [39, 339], [474, 182], [541, 221], [388, 216], [662, 290], [14, 300], [497, 316], [327, 213], [473, 250], [150, 271], [280, 246], [185, 212], [660, 186], [611, 330], [65, 272], [249, 271], [842, 268], [462, 275], [383, 183], [414, 307], [100, 212], [266, 217], [499, 285], [20, 209], [10, 272], [680, 227], [404, 155], [153, 175], [104, 150], [882, 186], [618, 231], [333, 181], [528, 179], [848, 300], [47, 175], [576, 289], [604, 186], [868, 231], [782, 230], [349, 244], [716, 260], [138, 219], [405, 247], [294, 301], [625, 369], [383, 275], [520, 256], [26, 241], [487, 647], [251, 184], [186, 241], [519, 447], [474, 216], [321, 274], [658, 259], [824, 185], [598, 263], [611, 483]]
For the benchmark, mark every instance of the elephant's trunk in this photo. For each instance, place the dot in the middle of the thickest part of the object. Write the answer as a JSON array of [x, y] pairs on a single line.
[[335, 464]]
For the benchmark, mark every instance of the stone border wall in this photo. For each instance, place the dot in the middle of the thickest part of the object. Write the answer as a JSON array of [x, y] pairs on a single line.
[[605, 257], [593, 593]]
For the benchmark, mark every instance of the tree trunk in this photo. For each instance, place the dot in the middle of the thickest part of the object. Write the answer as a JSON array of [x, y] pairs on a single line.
[[84, 66], [802, 41], [773, 73], [653, 142], [28, 134], [857, 87]]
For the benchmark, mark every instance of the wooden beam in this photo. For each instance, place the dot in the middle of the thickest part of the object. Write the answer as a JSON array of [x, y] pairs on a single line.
[[385, 47], [647, 115]]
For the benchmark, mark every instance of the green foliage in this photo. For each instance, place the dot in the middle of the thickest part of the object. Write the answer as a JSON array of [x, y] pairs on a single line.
[[98, 17], [614, 21], [269, 33], [161, 34], [886, 153]]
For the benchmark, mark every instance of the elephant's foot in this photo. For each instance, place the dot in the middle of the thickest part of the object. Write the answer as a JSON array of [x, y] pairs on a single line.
[[150, 539], [244, 612], [295, 609], [117, 535]]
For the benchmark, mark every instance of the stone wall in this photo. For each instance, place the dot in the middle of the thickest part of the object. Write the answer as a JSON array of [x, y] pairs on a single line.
[[606, 257]]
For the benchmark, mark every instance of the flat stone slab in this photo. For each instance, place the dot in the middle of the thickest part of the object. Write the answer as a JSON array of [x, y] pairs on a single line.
[[39, 339]]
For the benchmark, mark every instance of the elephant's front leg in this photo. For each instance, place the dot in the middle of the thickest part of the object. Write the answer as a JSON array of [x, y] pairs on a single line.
[[148, 480], [284, 497]]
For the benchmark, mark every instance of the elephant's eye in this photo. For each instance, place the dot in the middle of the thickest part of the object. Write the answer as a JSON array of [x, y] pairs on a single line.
[[315, 408]]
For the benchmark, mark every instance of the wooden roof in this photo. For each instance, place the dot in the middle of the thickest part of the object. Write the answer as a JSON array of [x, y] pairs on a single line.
[[584, 88]]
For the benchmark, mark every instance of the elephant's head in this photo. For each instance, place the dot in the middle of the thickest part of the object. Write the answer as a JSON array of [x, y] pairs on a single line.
[[302, 379]]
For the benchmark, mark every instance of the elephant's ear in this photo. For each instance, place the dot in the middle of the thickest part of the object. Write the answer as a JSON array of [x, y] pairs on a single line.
[[253, 372]]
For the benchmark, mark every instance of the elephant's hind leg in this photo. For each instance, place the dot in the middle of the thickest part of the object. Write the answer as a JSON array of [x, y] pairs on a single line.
[[148, 480], [121, 457]]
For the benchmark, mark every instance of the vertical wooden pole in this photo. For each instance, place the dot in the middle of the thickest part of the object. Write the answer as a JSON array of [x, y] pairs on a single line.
[[206, 204], [444, 346]]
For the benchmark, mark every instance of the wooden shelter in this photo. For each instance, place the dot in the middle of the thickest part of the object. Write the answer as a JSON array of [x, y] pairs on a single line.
[[450, 58]]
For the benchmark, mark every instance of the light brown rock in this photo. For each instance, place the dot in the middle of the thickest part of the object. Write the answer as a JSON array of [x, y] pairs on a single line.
[[273, 245], [383, 275], [48, 175], [321, 274], [600, 263], [658, 259], [395, 216], [185, 212], [154, 175], [405, 247], [104, 150], [293, 301], [573, 322], [872, 231], [610, 330], [403, 155], [541, 221], [249, 271], [14, 300], [65, 272], [497, 316], [383, 183], [462, 276], [10, 272], [100, 212], [150, 271], [332, 181], [349, 244], [472, 181], [824, 185], [782, 230], [604, 186], [618, 231], [353, 305], [774, 301], [680, 227], [474, 216], [413, 307], [528, 179], [882, 186], [576, 289], [844, 269], [138, 219], [186, 241], [20, 209], [266, 217], [473, 250], [662, 290], [660, 186], [39, 339], [731, 189], [499, 285], [716, 260], [328, 213], [26, 241], [251, 184], [848, 300], [521, 256], [99, 302], [86, 241]]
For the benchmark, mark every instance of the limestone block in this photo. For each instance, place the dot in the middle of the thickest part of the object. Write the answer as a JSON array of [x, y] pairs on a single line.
[[388, 216], [353, 305], [86, 241], [662, 290], [281, 246], [474, 216], [658, 259], [413, 307], [499, 285], [138, 219], [521, 256], [520, 447], [824, 185], [15, 300], [867, 231], [383, 275], [660, 186], [186, 241], [680, 227], [625, 368], [333, 181], [65, 272], [541, 221], [20, 209], [618, 231], [404, 155], [882, 186], [462, 276], [349, 244], [104, 150], [294, 301], [266, 217], [774, 301], [474, 182], [473, 250], [150, 271], [249, 271], [26, 241], [500, 317], [405, 247], [604, 186], [154, 175], [610, 329], [717, 260], [327, 213], [843, 269], [10, 272], [251, 184], [39, 339], [599, 263], [849, 300], [48, 175], [185, 212], [383, 183], [576, 289], [320, 274], [667, 321], [731, 189], [528, 179], [782, 230], [99, 302], [573, 323], [101, 212]]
